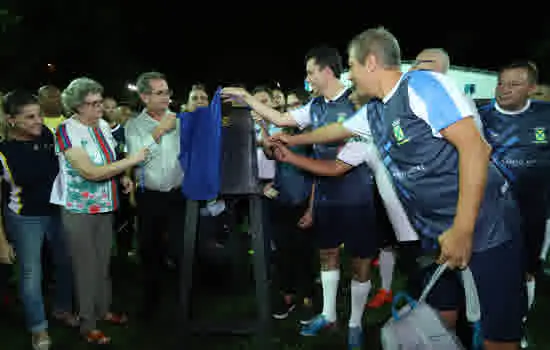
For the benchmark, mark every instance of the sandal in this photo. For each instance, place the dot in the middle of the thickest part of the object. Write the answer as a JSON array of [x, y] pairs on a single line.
[[42, 344], [66, 318], [116, 319], [97, 337]]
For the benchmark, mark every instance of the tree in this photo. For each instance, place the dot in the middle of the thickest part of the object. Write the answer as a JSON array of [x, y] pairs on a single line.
[[8, 19]]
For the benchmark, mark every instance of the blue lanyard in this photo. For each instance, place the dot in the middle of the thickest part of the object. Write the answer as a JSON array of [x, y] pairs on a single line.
[[142, 177]]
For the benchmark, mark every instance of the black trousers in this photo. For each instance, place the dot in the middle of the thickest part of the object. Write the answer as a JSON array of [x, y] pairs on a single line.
[[296, 253], [532, 201], [161, 221]]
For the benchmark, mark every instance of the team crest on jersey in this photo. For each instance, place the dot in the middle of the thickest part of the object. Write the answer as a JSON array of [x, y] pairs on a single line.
[[540, 135], [398, 132], [341, 117]]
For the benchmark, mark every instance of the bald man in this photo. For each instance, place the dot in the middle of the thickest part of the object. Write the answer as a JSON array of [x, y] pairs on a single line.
[[433, 59], [437, 60], [49, 98]]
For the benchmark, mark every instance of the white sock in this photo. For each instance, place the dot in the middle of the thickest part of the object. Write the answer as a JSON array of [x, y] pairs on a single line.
[[387, 262], [359, 294], [530, 294], [546, 244], [329, 281]]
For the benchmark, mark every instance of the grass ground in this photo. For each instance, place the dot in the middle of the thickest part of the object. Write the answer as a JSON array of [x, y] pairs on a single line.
[[219, 303]]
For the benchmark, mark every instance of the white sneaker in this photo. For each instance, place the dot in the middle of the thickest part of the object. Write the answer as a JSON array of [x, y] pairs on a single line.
[[524, 344], [42, 344]]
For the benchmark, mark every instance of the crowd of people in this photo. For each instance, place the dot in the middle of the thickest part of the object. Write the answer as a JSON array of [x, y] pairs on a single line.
[[402, 166]]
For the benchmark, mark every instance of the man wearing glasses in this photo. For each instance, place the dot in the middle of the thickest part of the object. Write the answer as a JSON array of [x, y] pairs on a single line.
[[160, 204]]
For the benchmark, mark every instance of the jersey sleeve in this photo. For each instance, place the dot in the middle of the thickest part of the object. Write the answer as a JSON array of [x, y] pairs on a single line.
[[353, 153], [62, 139], [437, 100], [302, 115], [358, 123]]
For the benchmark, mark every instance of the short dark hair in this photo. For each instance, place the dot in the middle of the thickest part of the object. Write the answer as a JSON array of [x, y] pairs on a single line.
[[530, 67], [143, 83], [198, 86], [15, 100], [300, 93], [326, 56], [262, 88]]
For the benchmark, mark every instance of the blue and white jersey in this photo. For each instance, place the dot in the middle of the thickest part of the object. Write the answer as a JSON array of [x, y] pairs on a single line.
[[521, 147], [362, 150], [424, 166], [356, 186]]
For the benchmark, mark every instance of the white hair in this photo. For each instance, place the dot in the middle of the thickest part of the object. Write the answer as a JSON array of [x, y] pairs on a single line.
[[75, 94]]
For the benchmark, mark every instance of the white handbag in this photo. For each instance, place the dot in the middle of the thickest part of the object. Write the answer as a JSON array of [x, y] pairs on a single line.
[[417, 326]]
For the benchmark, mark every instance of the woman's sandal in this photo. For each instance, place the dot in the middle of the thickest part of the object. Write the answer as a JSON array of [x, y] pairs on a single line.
[[97, 337], [66, 318], [116, 319], [41, 344]]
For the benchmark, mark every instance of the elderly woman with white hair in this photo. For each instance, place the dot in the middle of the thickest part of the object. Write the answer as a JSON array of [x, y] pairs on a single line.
[[86, 189]]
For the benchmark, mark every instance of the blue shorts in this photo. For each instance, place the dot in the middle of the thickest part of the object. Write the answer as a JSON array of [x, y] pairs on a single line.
[[353, 225], [499, 274]]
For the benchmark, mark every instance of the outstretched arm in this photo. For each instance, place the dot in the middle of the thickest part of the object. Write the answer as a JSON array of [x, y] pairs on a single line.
[[314, 166]]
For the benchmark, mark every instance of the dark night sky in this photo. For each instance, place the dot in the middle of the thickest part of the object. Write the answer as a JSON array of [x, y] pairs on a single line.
[[113, 41]]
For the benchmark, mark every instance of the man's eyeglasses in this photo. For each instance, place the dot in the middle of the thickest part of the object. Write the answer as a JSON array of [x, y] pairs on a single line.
[[419, 62]]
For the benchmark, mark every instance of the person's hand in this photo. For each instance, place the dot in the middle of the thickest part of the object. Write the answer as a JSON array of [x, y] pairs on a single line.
[[140, 156], [7, 254], [456, 248], [235, 94], [127, 184], [306, 221], [257, 118], [282, 138], [281, 152], [167, 123]]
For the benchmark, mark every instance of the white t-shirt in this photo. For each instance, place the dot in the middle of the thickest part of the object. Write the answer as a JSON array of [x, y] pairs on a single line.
[[266, 167], [71, 190], [361, 150]]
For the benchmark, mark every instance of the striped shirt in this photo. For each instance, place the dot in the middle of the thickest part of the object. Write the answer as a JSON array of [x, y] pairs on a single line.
[[70, 189]]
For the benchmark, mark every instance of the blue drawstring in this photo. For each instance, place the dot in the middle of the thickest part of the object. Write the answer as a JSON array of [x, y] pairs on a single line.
[[397, 299], [477, 336]]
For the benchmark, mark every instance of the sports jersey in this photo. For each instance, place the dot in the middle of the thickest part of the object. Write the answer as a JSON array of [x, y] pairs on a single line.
[[520, 142], [424, 166], [362, 150], [70, 189], [292, 183], [355, 186], [29, 169]]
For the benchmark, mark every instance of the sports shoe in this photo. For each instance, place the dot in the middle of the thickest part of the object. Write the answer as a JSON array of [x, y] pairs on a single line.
[[318, 324], [281, 308], [381, 298], [307, 312], [355, 338]]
